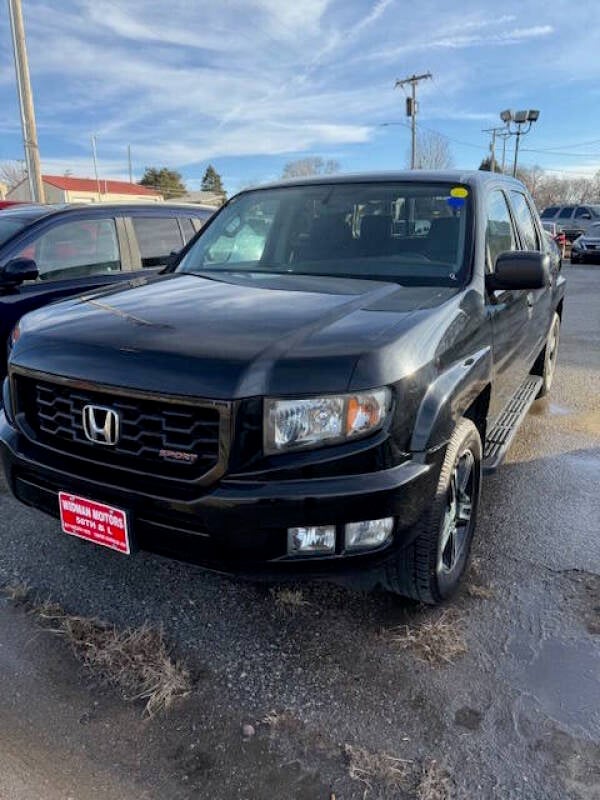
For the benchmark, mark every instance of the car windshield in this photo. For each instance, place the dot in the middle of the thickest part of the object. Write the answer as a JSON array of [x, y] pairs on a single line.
[[408, 232]]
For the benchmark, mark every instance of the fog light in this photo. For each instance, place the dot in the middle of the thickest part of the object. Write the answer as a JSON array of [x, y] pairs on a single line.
[[312, 540], [370, 533]]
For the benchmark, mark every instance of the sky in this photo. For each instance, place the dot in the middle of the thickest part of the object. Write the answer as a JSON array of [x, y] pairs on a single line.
[[249, 85]]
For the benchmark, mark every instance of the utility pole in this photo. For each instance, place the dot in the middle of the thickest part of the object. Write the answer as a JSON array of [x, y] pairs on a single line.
[[129, 162], [93, 137], [30, 141], [411, 110], [495, 132]]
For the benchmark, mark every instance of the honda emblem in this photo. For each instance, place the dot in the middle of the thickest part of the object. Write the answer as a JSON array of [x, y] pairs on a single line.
[[101, 425]]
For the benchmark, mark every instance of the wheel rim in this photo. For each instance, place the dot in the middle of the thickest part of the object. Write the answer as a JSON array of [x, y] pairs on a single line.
[[457, 517]]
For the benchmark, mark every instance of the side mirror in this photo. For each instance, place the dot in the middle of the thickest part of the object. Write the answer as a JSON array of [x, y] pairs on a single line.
[[520, 270], [18, 270], [172, 259]]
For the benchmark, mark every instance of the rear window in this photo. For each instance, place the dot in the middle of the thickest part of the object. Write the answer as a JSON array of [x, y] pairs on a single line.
[[549, 212], [157, 238]]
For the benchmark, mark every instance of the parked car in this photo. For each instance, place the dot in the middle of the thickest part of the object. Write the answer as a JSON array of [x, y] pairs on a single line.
[[572, 220], [313, 389], [586, 249], [51, 252]]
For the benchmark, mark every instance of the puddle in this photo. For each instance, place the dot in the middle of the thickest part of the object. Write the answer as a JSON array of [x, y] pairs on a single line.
[[543, 407], [564, 677]]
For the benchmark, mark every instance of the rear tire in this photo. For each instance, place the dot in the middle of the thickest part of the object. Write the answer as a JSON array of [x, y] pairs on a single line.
[[430, 569], [548, 357]]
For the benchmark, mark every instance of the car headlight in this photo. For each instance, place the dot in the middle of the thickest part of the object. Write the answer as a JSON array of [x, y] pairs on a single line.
[[312, 421]]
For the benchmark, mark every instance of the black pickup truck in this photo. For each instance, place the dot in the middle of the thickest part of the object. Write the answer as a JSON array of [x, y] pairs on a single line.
[[316, 388]]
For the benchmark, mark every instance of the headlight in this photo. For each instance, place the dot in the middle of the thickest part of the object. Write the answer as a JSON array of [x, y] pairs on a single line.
[[309, 422]]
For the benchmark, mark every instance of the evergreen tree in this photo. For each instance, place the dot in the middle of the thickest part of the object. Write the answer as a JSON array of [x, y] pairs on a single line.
[[211, 182]]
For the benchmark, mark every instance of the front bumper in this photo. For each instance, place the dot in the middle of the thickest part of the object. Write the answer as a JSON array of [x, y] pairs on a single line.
[[238, 525]]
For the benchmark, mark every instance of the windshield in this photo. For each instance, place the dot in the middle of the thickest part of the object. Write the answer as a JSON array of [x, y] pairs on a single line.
[[409, 232]]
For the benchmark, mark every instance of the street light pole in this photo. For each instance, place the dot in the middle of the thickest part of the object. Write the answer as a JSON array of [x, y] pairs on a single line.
[[519, 118], [518, 135], [30, 140]]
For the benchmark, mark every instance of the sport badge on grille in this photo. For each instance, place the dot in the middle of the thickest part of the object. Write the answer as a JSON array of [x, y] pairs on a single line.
[[101, 425]]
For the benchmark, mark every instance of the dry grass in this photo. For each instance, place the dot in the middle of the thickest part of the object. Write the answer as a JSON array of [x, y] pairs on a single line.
[[17, 592], [289, 600], [434, 784], [436, 641], [369, 767], [480, 592], [135, 660]]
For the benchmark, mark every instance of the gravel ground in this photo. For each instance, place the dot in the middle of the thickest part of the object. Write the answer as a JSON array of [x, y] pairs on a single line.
[[516, 716]]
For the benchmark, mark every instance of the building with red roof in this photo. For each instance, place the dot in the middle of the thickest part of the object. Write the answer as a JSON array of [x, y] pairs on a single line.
[[68, 189]]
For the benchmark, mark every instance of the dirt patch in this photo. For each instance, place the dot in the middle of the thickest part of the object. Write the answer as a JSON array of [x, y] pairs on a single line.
[[437, 641]]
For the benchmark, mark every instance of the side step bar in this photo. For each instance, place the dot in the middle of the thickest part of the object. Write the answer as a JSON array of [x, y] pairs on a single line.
[[501, 434]]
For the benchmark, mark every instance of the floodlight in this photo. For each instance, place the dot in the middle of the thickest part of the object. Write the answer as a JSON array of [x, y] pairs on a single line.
[[506, 116], [521, 117], [533, 114]]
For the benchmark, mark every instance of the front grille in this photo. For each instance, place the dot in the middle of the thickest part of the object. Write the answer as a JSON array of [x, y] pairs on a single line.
[[162, 437]]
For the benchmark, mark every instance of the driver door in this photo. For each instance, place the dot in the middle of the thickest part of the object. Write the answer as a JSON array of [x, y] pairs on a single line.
[[507, 309]]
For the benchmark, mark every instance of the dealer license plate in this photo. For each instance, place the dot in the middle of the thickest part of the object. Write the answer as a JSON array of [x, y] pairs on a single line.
[[95, 522]]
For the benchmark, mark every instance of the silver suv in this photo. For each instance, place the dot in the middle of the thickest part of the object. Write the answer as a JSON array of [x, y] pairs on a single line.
[[572, 220]]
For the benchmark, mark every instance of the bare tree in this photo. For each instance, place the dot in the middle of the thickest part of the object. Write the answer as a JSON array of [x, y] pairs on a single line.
[[12, 173], [433, 151], [305, 167], [549, 189]]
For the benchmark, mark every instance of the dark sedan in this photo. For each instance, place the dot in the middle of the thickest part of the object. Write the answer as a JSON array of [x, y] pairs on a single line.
[[586, 249], [51, 252]]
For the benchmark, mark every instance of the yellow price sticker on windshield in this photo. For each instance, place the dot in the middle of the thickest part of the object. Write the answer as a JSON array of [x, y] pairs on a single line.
[[459, 191]]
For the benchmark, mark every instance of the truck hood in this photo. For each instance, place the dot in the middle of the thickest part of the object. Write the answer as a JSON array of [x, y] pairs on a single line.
[[236, 336]]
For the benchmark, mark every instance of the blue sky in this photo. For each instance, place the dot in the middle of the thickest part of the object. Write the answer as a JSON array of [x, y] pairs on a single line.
[[251, 84]]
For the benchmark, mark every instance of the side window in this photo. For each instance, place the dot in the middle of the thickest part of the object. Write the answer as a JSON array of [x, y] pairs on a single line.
[[566, 212], [581, 212], [157, 237], [549, 212], [525, 222], [500, 234], [188, 229], [76, 249]]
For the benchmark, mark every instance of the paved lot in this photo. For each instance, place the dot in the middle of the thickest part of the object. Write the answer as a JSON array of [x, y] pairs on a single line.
[[518, 716]]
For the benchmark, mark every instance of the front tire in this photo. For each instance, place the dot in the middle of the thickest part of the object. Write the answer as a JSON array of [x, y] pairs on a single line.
[[430, 569]]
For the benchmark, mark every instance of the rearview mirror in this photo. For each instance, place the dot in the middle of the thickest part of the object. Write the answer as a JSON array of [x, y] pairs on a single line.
[[18, 270], [520, 270]]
